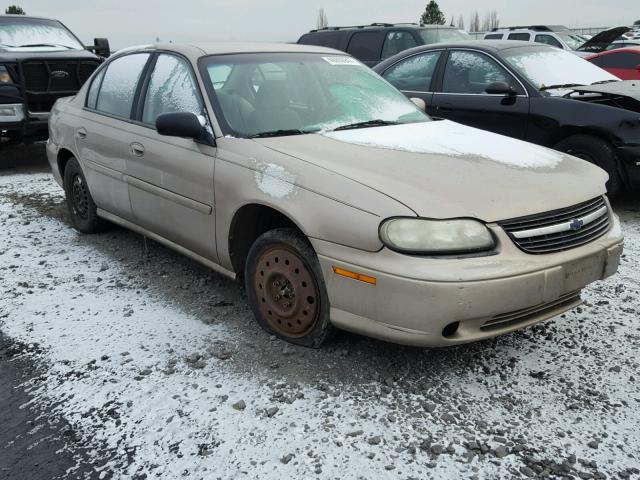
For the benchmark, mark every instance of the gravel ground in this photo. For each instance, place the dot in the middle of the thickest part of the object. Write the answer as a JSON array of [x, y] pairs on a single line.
[[159, 370]]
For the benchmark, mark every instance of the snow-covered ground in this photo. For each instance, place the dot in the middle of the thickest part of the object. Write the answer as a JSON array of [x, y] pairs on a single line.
[[160, 369]]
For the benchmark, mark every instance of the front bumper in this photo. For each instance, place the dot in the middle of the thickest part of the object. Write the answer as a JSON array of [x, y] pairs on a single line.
[[439, 302]]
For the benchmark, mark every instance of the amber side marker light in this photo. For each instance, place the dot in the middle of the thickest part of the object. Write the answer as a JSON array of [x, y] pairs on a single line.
[[355, 276]]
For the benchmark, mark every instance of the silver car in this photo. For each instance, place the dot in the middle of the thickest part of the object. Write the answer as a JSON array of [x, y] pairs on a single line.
[[334, 198]]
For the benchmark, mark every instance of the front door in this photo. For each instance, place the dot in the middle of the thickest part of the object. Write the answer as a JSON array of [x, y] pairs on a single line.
[[463, 97], [171, 179]]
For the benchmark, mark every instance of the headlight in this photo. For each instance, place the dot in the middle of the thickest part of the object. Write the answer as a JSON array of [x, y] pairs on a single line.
[[422, 236], [4, 75]]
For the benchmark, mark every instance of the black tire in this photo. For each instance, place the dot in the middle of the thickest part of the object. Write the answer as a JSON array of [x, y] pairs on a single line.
[[596, 151], [80, 205], [286, 290]]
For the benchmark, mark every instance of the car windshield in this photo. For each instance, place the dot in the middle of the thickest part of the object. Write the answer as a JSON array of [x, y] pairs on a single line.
[[34, 33], [573, 41], [548, 68], [443, 35], [261, 94]]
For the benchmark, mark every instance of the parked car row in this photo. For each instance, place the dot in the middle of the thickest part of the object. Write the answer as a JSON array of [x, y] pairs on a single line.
[[337, 200]]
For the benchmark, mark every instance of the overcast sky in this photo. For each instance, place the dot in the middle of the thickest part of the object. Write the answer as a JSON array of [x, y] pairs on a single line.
[[141, 21]]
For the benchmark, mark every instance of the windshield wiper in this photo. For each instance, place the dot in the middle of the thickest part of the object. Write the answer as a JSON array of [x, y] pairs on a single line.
[[44, 45], [368, 123], [604, 81], [566, 85], [278, 133]]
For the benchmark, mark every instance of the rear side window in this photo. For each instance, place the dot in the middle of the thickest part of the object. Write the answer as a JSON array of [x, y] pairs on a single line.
[[414, 73], [119, 85], [548, 40], [493, 36], [396, 42], [92, 96], [324, 39], [621, 60], [172, 88], [366, 45], [519, 36]]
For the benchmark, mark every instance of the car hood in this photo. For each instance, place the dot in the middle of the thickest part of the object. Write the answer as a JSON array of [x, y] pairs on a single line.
[[442, 169], [623, 88], [603, 39]]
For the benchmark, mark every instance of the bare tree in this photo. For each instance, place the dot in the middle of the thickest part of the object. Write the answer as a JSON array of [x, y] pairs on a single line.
[[322, 19], [461, 22], [486, 21], [474, 24], [494, 21]]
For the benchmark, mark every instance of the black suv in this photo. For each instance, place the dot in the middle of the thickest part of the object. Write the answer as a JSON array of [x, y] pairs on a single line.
[[40, 61], [373, 43]]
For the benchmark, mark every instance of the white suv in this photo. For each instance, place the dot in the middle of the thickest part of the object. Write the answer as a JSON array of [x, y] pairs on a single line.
[[554, 35]]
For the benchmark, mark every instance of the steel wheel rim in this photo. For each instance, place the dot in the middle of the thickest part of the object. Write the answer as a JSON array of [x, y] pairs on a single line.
[[287, 292], [80, 195]]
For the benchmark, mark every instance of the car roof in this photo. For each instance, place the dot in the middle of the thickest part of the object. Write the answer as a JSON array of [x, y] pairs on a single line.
[[30, 17], [617, 50], [487, 45], [197, 50], [382, 26]]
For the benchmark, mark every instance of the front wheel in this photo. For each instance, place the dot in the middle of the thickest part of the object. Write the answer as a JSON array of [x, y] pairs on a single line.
[[597, 151], [286, 290], [82, 209]]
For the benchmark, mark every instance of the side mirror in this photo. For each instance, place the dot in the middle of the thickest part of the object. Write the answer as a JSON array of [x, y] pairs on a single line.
[[101, 47], [418, 102], [180, 124], [500, 88]]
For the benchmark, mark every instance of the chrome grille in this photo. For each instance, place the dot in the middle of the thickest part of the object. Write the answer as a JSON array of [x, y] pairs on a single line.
[[560, 229]]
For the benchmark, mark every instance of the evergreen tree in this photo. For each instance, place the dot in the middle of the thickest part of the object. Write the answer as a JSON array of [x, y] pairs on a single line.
[[14, 10], [433, 15]]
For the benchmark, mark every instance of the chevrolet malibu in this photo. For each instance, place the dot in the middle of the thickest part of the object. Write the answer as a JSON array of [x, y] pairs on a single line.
[[330, 195]]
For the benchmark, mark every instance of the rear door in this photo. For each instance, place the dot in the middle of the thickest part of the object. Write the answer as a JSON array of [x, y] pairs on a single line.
[[415, 75], [397, 41], [103, 133], [366, 46], [171, 179], [461, 94]]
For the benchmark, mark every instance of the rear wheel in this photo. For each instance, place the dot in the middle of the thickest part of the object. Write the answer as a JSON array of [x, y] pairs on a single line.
[[596, 151], [80, 205], [286, 290]]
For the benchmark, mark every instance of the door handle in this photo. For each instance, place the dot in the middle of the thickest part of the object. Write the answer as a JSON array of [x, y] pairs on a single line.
[[447, 107], [136, 149], [81, 133]]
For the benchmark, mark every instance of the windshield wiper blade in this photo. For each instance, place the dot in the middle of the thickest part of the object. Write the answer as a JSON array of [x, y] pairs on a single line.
[[566, 85], [604, 81], [278, 133], [368, 123], [44, 45]]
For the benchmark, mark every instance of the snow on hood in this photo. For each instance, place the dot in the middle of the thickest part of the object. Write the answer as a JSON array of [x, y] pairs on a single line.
[[449, 138], [442, 169]]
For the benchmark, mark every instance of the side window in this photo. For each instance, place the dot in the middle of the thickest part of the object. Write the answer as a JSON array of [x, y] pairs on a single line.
[[623, 60], [414, 73], [92, 96], [366, 45], [473, 72], [396, 42], [549, 40], [493, 36], [519, 36], [172, 88], [119, 84]]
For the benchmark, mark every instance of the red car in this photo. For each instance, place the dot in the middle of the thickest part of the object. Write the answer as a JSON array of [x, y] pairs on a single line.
[[624, 63]]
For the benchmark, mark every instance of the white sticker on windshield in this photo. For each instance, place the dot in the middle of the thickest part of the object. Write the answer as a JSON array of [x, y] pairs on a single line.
[[341, 60]]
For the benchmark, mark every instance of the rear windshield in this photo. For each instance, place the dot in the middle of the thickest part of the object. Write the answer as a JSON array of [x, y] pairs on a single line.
[[443, 35], [35, 34]]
